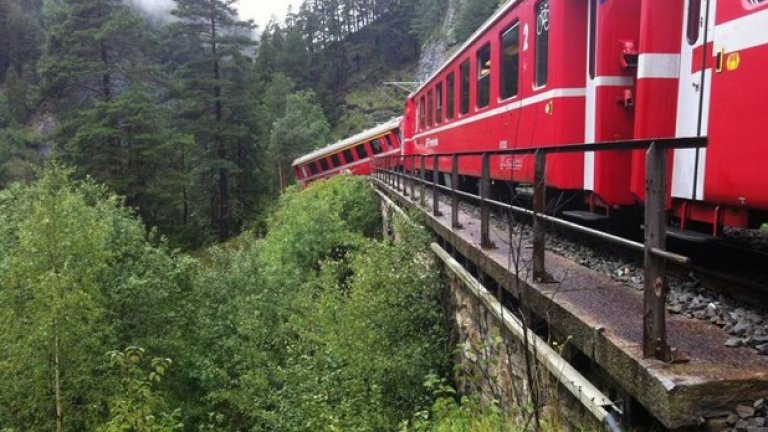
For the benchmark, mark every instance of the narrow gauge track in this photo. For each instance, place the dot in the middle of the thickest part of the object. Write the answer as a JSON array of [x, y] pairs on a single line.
[[722, 283]]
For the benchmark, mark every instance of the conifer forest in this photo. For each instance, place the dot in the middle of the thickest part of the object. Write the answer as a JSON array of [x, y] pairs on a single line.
[[160, 270]]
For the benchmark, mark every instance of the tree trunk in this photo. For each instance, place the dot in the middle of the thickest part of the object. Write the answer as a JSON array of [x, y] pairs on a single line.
[[221, 150], [57, 378]]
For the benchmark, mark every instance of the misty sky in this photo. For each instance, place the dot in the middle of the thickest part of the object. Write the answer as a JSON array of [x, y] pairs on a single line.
[[260, 11]]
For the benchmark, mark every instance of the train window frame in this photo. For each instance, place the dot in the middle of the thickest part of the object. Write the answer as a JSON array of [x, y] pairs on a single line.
[[336, 160], [323, 164], [422, 113], [430, 107], [362, 153], [348, 157], [503, 82], [464, 87], [312, 168], [378, 146], [592, 59], [693, 22], [483, 74], [541, 48], [439, 103], [450, 92]]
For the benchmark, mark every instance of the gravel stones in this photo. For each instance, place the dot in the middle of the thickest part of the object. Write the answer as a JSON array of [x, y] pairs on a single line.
[[745, 411]]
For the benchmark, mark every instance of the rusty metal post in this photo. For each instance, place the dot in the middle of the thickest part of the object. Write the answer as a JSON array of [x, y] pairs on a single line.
[[435, 190], [423, 174], [412, 179], [398, 177], [454, 196], [485, 211], [654, 312], [539, 204]]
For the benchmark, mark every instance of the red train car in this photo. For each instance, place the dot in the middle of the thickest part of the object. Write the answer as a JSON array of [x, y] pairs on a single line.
[[551, 72], [703, 64], [351, 155], [518, 82]]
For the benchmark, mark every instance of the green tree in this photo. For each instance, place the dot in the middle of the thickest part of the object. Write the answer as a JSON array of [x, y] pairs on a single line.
[[301, 129], [472, 15], [139, 407], [214, 42], [53, 248]]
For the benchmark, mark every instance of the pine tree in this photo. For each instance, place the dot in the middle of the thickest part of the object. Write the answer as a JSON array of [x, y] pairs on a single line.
[[214, 41]]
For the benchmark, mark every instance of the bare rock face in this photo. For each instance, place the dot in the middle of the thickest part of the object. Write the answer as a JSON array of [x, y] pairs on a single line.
[[435, 52]]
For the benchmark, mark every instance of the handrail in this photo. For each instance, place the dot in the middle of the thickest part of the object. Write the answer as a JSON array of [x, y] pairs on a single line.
[[392, 170]]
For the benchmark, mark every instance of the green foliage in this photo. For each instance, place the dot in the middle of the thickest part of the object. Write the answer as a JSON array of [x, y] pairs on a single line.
[[451, 413], [77, 277], [428, 16], [301, 129], [472, 15], [138, 407]]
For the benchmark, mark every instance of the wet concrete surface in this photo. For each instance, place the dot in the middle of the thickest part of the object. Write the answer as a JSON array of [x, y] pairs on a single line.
[[603, 319]]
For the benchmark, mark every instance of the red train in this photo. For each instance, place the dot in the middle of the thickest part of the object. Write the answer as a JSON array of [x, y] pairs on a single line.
[[351, 155], [551, 72]]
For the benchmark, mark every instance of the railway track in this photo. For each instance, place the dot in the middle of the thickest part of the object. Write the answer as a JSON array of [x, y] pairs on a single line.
[[724, 283]]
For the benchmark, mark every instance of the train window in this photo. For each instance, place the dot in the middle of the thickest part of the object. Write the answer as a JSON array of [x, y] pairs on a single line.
[[510, 56], [312, 168], [694, 14], [335, 160], [484, 75], [361, 153], [439, 103], [422, 113], [464, 91], [592, 37], [376, 146], [430, 107], [324, 164], [542, 43], [450, 86], [391, 143], [348, 156]]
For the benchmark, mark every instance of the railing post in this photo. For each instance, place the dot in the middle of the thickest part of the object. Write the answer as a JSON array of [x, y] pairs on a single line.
[[539, 203], [398, 179], [435, 182], [412, 177], [454, 196], [654, 318], [485, 212], [404, 175], [423, 174]]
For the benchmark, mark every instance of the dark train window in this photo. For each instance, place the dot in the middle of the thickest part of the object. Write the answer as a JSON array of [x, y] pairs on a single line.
[[376, 146], [361, 153], [439, 103], [348, 156], [510, 59], [422, 113], [542, 43], [324, 164], [484, 75], [450, 86], [335, 160], [464, 91], [312, 168], [694, 13], [592, 37], [430, 107]]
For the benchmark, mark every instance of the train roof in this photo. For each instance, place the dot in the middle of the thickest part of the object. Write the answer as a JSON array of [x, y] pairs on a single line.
[[476, 35], [354, 139]]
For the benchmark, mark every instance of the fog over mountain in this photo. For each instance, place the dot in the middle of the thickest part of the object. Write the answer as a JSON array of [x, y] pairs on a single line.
[[156, 10]]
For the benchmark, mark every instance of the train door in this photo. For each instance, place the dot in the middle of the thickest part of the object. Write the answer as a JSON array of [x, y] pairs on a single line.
[[693, 97], [612, 38]]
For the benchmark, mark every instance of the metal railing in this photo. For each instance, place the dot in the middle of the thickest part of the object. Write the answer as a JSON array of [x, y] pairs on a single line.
[[398, 169]]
